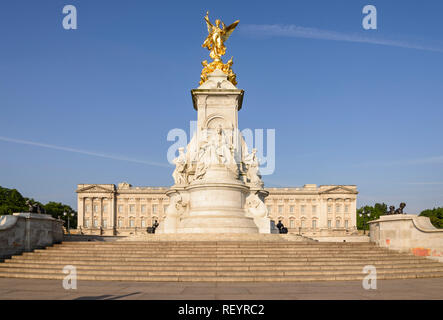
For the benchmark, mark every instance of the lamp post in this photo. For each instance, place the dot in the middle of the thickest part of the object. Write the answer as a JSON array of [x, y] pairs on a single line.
[[365, 214], [68, 215]]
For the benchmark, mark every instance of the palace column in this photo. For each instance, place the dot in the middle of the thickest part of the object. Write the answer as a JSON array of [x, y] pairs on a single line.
[[112, 208], [81, 212], [101, 212]]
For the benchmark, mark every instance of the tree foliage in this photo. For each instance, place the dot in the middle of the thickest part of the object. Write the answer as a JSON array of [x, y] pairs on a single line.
[[11, 201], [374, 213], [435, 215]]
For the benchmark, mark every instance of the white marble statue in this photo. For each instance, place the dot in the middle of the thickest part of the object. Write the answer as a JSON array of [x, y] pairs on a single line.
[[252, 168], [179, 173], [255, 206], [224, 147], [176, 206]]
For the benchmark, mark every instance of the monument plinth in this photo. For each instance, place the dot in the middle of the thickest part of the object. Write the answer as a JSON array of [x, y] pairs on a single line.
[[218, 187]]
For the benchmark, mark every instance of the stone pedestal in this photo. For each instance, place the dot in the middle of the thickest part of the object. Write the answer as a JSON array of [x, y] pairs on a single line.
[[218, 188]]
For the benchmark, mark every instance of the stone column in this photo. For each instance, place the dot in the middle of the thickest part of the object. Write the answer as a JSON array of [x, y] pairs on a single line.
[[113, 211], [81, 211], [353, 213]]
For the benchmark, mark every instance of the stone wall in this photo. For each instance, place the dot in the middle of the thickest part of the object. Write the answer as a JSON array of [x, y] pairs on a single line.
[[28, 231], [408, 233]]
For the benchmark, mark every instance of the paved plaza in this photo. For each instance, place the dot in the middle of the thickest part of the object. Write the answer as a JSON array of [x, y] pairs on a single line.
[[414, 289]]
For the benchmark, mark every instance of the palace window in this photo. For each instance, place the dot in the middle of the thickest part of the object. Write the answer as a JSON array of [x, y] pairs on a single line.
[[120, 208], [120, 223], [291, 209], [337, 208], [302, 209], [87, 223], [105, 223], [131, 223], [95, 223], [346, 208], [154, 208], [143, 208], [314, 224], [105, 208], [314, 209], [337, 223], [132, 208], [302, 223], [329, 224], [280, 209], [143, 223], [291, 223], [165, 207], [329, 209], [346, 224], [88, 208], [95, 208]]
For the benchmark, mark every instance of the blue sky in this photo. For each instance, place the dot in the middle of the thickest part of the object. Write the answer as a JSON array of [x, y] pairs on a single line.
[[349, 106]]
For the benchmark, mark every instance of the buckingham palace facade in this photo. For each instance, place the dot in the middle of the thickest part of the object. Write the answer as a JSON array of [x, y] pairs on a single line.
[[107, 209]]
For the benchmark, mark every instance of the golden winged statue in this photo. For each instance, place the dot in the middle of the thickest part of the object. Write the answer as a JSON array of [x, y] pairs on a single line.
[[215, 43]]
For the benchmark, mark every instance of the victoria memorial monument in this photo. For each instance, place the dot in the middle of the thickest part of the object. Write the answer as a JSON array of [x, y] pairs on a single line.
[[217, 183]]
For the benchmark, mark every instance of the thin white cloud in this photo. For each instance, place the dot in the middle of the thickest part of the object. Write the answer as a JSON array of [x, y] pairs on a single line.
[[90, 153], [295, 31], [404, 162], [425, 183]]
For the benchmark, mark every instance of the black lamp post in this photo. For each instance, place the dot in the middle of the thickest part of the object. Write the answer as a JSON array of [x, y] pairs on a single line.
[[365, 214]]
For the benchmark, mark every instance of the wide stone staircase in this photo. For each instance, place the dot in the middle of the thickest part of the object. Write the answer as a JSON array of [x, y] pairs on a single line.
[[226, 260]]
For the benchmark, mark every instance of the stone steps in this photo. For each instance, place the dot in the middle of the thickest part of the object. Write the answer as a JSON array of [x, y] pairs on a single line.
[[217, 261], [223, 273], [220, 259], [208, 267], [341, 277], [273, 263]]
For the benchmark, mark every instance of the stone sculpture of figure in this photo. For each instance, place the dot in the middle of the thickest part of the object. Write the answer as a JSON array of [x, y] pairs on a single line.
[[400, 209], [224, 147], [34, 208], [391, 210], [30, 206], [255, 206], [252, 168], [179, 173], [176, 206], [206, 156]]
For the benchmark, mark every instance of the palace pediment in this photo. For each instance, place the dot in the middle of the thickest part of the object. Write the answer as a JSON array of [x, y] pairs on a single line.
[[95, 188], [339, 190]]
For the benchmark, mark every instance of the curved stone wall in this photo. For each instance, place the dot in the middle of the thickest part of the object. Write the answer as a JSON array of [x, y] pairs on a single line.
[[408, 233]]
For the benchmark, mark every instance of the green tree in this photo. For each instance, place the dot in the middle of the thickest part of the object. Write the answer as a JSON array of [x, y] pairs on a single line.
[[11, 201], [57, 210], [374, 213], [435, 215]]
